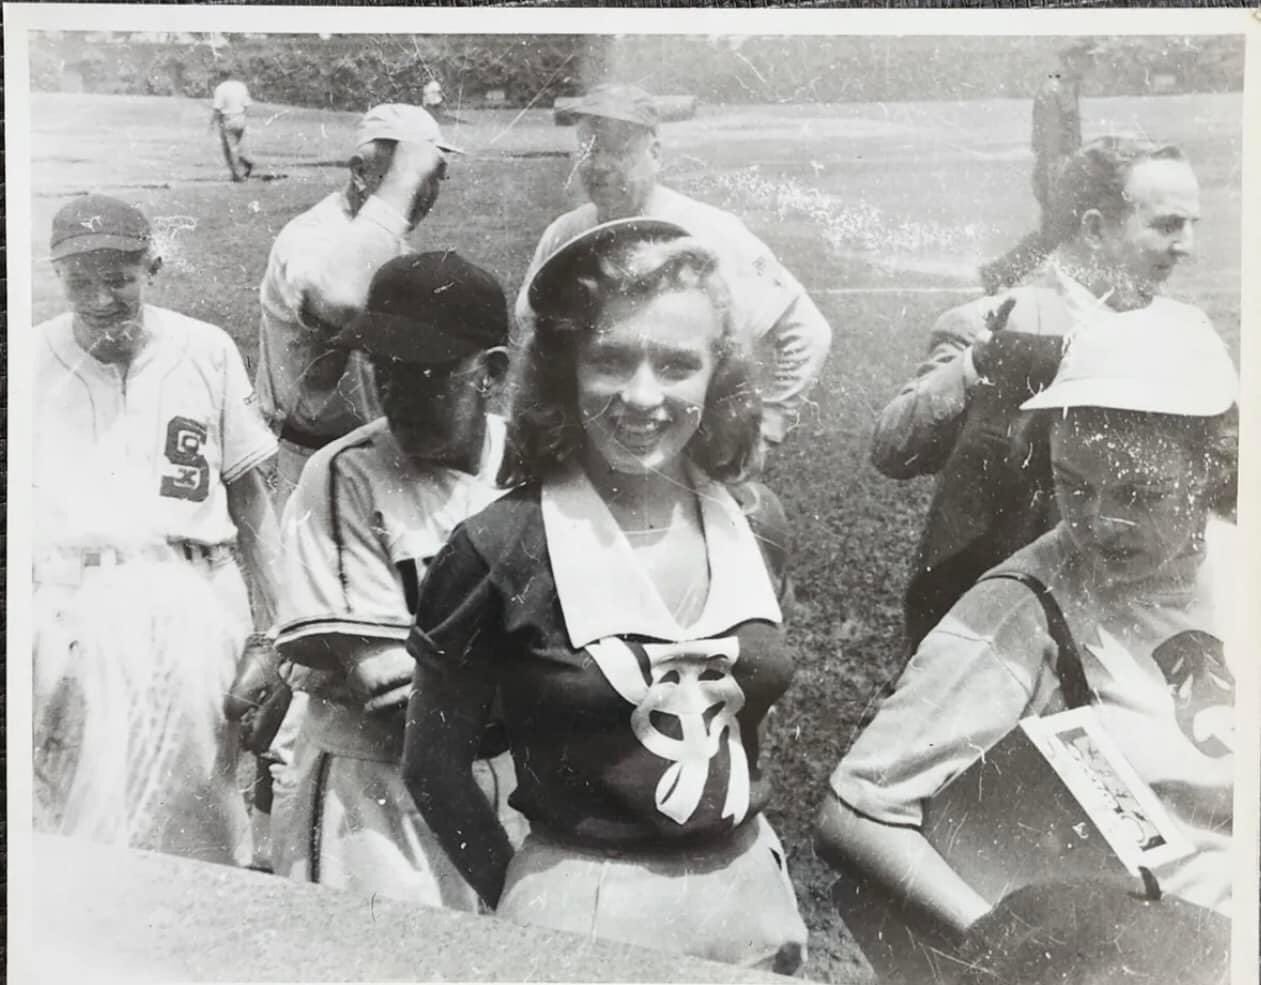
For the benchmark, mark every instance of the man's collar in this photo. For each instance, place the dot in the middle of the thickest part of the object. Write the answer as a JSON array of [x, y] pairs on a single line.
[[603, 589], [1077, 295]]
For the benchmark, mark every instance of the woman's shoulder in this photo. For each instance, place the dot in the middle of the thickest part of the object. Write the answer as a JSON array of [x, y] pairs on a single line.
[[507, 528]]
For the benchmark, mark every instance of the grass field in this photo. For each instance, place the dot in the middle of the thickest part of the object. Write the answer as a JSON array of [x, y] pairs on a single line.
[[882, 211]]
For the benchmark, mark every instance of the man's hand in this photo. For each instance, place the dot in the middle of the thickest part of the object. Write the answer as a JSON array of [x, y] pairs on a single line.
[[382, 678], [1009, 358], [257, 675]]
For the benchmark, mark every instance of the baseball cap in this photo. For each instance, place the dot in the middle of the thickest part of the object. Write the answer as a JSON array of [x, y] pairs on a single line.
[[429, 308], [551, 285], [98, 222], [627, 103], [1162, 359], [400, 121]]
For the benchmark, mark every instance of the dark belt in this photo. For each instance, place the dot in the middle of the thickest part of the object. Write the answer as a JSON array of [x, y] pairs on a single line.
[[304, 439]]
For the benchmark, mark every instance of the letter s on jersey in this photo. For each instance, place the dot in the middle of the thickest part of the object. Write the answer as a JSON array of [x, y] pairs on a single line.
[[189, 477]]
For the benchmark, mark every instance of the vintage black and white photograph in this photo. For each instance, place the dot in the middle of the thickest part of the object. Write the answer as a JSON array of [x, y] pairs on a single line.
[[605, 498]]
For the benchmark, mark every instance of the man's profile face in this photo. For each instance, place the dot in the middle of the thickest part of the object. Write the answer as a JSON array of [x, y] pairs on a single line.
[[618, 164], [1157, 231]]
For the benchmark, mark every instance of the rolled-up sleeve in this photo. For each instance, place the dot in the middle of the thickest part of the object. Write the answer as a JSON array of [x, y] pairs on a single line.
[[916, 431], [966, 687], [325, 278]]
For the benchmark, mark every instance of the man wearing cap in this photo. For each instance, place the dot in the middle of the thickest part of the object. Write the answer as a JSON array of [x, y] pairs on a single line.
[[619, 159], [313, 390], [1056, 137], [146, 475], [370, 510], [1125, 219]]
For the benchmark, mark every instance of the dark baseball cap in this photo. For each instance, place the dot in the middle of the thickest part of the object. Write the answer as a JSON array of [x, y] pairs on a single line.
[[430, 308], [98, 222], [611, 101], [552, 285]]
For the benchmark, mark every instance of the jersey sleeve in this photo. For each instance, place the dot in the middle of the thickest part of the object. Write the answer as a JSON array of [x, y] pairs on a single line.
[[917, 430], [322, 270], [459, 615], [338, 574], [789, 335], [969, 684], [247, 441]]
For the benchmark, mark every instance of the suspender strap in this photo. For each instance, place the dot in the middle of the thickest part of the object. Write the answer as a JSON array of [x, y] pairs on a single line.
[[1068, 665]]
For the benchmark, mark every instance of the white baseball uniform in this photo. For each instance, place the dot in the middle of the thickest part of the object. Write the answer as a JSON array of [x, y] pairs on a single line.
[[304, 266], [359, 531], [141, 611]]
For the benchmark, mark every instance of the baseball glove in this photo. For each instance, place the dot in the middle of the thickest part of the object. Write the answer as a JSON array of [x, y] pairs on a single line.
[[259, 696]]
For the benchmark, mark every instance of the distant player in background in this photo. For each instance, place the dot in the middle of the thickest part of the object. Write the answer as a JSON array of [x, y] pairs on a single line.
[[148, 445], [1056, 137], [619, 158], [231, 100], [369, 512]]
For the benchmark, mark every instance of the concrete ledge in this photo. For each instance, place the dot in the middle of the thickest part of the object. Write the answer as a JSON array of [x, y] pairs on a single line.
[[103, 914]]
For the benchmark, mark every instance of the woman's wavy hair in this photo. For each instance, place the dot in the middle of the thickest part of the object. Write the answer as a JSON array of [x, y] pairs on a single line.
[[545, 429]]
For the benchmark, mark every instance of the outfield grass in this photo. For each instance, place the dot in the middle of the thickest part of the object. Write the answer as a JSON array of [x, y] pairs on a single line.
[[897, 203]]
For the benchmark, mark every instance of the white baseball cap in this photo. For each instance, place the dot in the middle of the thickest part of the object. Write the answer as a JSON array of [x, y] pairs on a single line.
[[1162, 359], [401, 121]]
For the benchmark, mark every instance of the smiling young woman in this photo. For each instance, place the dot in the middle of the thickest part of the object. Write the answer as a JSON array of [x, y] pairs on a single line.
[[623, 604]]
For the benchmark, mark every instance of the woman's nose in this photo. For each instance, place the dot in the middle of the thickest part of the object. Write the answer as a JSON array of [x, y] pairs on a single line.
[[642, 390]]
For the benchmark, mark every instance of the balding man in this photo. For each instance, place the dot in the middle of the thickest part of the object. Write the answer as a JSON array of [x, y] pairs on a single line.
[[619, 159], [1124, 219]]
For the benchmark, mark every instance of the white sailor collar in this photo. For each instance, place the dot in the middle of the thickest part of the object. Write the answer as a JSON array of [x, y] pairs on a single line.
[[603, 591]]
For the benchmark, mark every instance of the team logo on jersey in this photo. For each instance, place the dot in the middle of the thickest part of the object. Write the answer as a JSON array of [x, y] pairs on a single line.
[[1203, 690], [689, 685], [189, 474]]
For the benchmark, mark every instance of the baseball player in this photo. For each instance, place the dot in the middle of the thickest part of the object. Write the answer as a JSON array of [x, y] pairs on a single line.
[[313, 390], [619, 158], [231, 100], [146, 477], [317, 276], [369, 512]]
